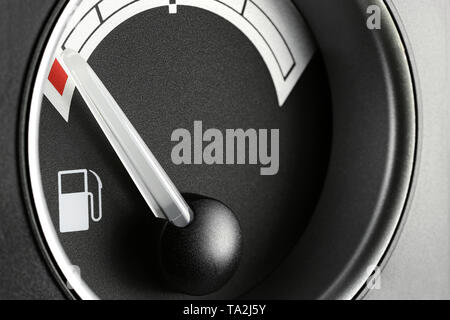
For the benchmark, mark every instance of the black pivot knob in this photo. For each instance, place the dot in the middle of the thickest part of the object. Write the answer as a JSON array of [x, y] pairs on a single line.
[[200, 258]]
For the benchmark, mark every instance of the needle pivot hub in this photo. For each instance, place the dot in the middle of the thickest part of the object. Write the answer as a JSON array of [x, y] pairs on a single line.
[[200, 259]]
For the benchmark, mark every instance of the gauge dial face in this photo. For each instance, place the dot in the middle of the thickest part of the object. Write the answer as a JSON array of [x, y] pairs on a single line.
[[232, 99]]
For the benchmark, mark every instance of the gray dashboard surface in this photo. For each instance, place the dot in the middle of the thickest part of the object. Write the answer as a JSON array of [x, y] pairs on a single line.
[[23, 272], [419, 267]]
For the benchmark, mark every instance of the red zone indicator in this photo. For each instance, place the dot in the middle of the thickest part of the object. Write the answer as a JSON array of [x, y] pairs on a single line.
[[58, 77]]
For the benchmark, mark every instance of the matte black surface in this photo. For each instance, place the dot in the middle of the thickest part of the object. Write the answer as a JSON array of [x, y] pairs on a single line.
[[23, 271], [202, 257]]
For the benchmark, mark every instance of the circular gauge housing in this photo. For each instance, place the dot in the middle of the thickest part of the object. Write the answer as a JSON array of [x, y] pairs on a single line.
[[302, 122]]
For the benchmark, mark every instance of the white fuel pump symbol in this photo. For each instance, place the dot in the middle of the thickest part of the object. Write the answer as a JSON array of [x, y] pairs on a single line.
[[77, 208]]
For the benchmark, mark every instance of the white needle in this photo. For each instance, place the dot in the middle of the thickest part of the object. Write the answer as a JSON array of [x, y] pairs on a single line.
[[150, 178]]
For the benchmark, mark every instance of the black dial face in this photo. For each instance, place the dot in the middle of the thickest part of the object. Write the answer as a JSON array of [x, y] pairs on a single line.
[[228, 115]]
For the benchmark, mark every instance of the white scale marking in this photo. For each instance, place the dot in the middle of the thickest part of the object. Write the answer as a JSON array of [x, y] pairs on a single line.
[[275, 28]]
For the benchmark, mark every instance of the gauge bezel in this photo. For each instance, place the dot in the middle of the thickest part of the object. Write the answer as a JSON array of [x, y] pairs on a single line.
[[347, 286], [23, 150], [328, 276]]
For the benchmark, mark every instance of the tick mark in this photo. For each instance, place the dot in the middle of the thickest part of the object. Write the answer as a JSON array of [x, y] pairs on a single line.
[[99, 14], [173, 7]]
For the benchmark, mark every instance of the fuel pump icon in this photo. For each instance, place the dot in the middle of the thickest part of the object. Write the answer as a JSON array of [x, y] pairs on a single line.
[[77, 208]]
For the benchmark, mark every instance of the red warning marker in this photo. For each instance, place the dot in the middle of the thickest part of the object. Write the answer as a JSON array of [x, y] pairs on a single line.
[[58, 77]]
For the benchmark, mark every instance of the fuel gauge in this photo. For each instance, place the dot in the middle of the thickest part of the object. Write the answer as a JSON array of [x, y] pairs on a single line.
[[184, 149]]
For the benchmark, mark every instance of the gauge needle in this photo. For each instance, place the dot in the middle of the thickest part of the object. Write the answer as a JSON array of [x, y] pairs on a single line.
[[158, 190]]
